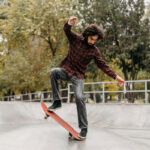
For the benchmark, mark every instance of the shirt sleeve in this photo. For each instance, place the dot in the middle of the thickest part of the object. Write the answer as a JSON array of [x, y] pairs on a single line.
[[71, 35], [102, 65]]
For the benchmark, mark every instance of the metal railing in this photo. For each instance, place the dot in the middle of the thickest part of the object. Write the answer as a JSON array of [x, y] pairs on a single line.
[[124, 91], [33, 97], [104, 89]]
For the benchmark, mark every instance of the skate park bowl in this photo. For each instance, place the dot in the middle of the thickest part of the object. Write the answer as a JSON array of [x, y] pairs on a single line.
[[111, 127]]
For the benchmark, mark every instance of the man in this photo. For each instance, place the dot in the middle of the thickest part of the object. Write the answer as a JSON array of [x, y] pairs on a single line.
[[73, 67]]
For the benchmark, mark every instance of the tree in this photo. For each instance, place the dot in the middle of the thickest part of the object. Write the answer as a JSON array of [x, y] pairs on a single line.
[[147, 61], [34, 36], [127, 32], [34, 18]]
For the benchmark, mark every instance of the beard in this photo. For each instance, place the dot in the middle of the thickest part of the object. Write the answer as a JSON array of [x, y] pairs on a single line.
[[88, 44]]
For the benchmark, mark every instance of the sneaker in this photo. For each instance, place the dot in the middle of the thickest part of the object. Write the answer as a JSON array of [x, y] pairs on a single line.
[[83, 133], [56, 104]]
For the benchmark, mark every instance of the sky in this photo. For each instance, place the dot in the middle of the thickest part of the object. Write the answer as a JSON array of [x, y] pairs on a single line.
[[147, 1]]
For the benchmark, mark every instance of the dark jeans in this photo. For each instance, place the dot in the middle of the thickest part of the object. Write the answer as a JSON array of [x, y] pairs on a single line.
[[60, 74]]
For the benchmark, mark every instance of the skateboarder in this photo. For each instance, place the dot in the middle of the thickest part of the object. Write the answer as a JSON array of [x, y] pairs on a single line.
[[81, 51]]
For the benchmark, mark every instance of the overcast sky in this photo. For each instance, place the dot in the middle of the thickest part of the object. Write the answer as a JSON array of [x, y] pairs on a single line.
[[147, 1]]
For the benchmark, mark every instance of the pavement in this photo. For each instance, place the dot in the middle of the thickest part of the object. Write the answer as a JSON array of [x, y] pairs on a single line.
[[111, 127]]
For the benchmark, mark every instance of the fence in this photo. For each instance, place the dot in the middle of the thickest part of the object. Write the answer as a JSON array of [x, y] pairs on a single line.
[[103, 92], [143, 87]]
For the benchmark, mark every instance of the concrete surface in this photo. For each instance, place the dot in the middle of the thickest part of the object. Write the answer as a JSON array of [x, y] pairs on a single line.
[[111, 127]]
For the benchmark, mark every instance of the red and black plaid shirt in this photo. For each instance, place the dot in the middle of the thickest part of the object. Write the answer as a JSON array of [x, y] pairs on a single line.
[[80, 54]]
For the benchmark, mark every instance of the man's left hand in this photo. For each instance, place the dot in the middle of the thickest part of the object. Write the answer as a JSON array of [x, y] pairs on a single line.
[[120, 80]]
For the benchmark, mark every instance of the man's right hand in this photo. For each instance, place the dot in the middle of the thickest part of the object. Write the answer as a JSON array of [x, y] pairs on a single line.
[[73, 20], [120, 81]]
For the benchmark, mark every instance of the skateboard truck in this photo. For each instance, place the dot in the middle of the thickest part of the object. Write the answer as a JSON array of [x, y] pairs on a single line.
[[46, 116], [70, 135]]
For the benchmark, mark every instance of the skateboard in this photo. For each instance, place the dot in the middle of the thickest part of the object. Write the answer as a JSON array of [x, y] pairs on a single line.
[[72, 132]]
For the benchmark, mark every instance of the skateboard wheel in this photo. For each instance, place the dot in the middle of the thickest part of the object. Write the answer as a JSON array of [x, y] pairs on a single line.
[[46, 116]]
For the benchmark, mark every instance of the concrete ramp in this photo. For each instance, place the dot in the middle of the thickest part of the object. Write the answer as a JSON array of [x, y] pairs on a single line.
[[111, 127]]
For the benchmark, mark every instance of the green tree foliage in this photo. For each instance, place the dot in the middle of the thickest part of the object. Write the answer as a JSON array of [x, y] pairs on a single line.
[[34, 36], [33, 18], [127, 33], [147, 61]]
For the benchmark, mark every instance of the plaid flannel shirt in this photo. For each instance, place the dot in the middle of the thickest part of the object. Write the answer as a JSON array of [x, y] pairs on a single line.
[[80, 54]]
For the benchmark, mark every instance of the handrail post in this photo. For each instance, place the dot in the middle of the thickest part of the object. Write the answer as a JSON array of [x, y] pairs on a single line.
[[103, 93], [68, 93], [146, 96]]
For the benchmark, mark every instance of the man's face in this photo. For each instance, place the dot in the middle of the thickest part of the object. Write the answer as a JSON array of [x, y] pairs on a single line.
[[92, 39]]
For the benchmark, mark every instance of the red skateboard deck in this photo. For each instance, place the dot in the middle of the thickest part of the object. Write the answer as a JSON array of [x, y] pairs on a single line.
[[60, 121]]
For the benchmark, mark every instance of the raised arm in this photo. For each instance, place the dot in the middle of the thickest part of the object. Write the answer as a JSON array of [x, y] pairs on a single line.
[[71, 35]]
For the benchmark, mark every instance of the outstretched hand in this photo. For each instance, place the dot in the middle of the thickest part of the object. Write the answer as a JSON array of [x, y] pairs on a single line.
[[120, 81]]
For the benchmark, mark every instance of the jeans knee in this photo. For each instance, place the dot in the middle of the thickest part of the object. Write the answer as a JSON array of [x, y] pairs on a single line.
[[52, 72], [79, 98]]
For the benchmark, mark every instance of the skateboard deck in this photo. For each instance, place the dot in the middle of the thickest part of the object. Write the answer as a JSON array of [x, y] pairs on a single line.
[[60, 121]]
